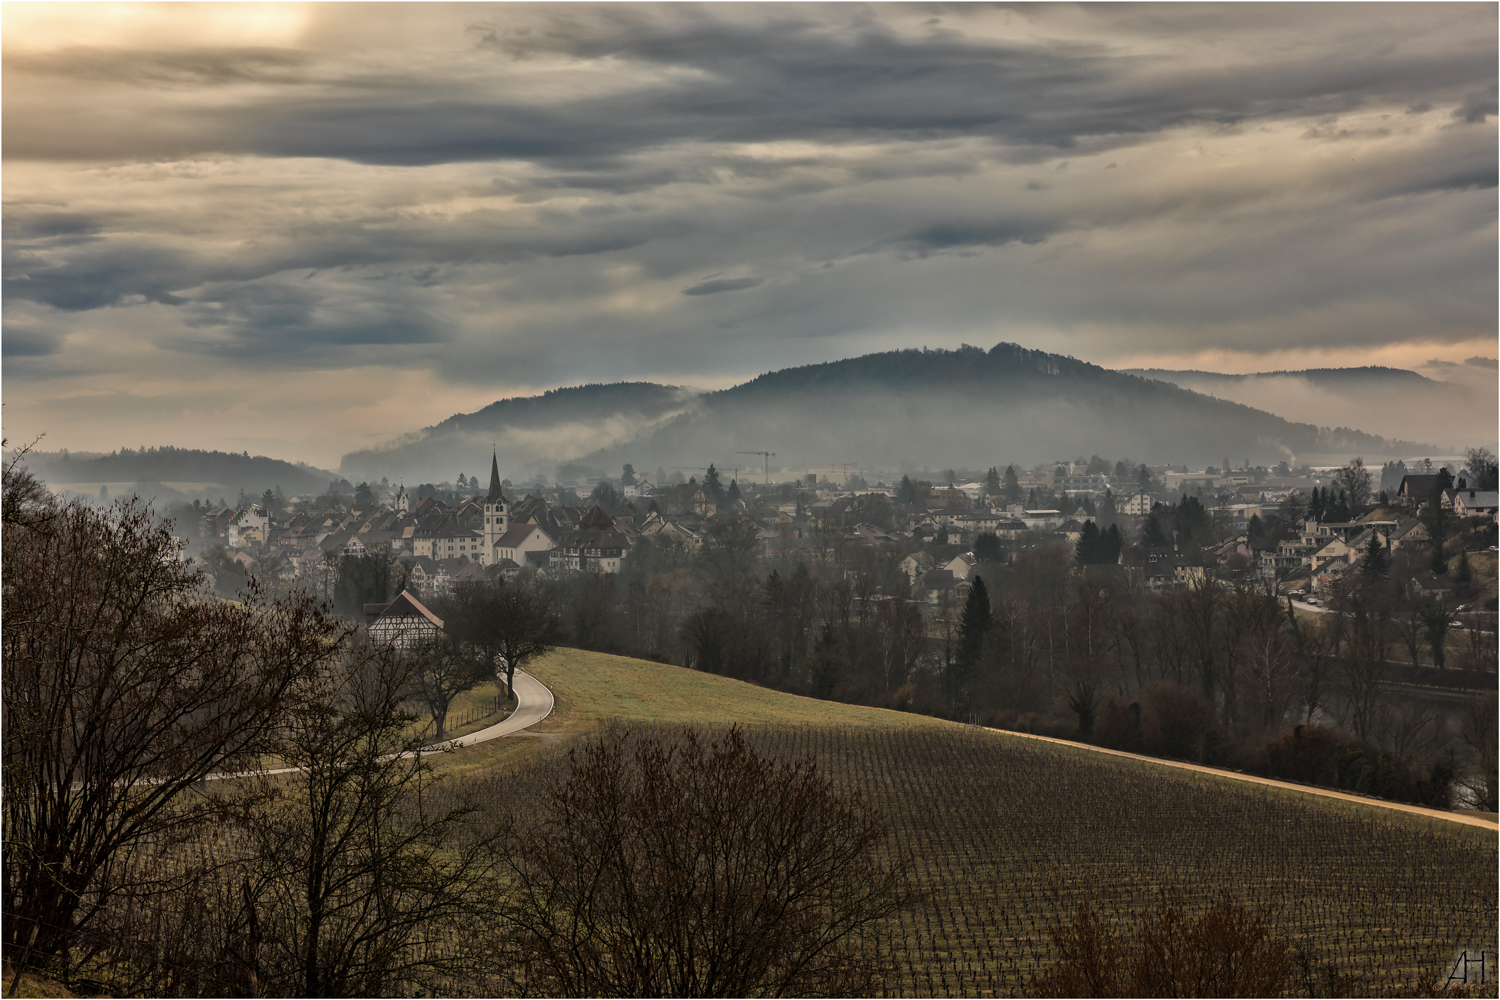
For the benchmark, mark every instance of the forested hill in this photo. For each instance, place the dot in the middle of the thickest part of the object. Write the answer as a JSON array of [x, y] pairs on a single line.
[[226, 472], [1390, 401], [976, 407], [558, 425], [919, 408], [1368, 376]]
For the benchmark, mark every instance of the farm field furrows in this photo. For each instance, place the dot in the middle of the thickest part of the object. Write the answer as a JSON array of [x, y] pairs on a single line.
[[1006, 837]]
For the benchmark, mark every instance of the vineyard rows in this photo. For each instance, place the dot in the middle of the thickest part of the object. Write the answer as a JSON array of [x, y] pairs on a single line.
[[1005, 839]]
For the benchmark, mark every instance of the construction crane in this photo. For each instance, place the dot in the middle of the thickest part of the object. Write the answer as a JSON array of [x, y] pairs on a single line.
[[767, 455]]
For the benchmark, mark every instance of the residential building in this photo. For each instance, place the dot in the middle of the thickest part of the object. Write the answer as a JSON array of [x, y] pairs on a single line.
[[403, 623]]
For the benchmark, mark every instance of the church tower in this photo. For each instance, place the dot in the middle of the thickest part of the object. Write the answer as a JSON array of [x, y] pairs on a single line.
[[496, 514]]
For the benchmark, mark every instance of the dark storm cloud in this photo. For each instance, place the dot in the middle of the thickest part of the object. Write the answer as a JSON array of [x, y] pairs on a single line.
[[95, 275], [772, 75], [22, 343], [1477, 106], [722, 285]]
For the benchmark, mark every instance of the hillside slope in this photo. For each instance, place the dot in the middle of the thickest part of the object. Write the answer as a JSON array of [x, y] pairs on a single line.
[[596, 687], [218, 472], [1389, 401], [528, 431], [895, 409], [974, 407]]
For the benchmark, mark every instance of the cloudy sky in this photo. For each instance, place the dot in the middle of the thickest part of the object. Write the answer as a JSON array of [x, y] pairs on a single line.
[[300, 230]]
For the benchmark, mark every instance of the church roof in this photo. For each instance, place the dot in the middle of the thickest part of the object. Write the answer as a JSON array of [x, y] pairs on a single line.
[[495, 494], [596, 518]]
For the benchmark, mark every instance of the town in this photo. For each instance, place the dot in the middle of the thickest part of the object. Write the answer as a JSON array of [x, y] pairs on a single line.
[[1299, 529]]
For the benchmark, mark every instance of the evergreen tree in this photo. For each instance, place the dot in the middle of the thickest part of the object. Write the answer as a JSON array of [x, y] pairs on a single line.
[[973, 627], [987, 547], [1338, 508], [942, 536], [1438, 521], [1463, 573], [1316, 505], [906, 493], [1377, 561], [733, 496], [1111, 542], [712, 485], [1012, 485], [1154, 535], [992, 481], [1087, 550], [1445, 478], [363, 494], [627, 475]]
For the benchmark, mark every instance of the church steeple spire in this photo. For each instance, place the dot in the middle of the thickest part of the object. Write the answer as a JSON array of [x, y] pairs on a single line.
[[495, 493]]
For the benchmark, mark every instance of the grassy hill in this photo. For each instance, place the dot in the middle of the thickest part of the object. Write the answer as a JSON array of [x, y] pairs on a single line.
[[596, 687], [1005, 836]]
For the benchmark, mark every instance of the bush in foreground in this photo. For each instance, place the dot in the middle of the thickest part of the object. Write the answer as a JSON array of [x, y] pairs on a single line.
[[696, 869]]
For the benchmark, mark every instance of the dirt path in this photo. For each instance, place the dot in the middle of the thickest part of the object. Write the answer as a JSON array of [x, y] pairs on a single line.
[[1442, 814]]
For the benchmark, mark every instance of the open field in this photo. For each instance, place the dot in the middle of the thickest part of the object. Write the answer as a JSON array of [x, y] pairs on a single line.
[[594, 687], [1006, 836]]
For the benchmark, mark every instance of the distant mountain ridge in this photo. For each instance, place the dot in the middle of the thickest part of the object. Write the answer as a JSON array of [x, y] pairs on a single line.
[[893, 409], [975, 407], [1317, 376], [1388, 401], [226, 471], [915, 408], [558, 425]]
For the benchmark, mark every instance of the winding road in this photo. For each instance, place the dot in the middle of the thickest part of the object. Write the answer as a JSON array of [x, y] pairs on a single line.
[[533, 704]]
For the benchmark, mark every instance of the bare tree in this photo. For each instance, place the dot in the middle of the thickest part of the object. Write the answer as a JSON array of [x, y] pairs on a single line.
[[25, 499], [727, 562], [363, 880], [1480, 776], [506, 625], [1269, 677], [700, 869], [441, 669], [1354, 480], [124, 686], [1437, 620], [1364, 670]]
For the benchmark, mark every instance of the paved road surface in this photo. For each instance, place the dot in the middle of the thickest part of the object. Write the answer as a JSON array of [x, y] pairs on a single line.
[[533, 704], [1451, 817]]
